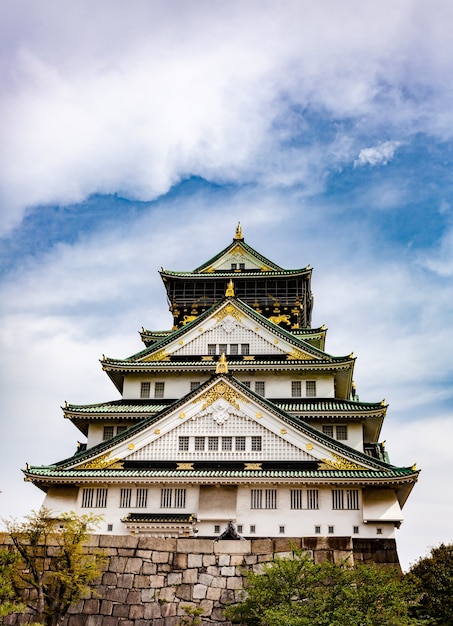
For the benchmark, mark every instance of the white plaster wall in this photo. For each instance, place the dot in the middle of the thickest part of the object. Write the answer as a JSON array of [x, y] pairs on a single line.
[[355, 433]]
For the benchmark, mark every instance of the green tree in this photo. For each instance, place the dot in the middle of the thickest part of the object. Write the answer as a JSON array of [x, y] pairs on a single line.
[[48, 558], [8, 601], [433, 580], [299, 592]]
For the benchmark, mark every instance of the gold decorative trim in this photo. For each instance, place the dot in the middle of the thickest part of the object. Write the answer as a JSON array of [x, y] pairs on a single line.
[[220, 390], [207, 358], [181, 343], [229, 309], [248, 357], [157, 431], [222, 365], [283, 431], [184, 466], [182, 415], [253, 466], [340, 463], [229, 293], [100, 462], [298, 355], [162, 355], [309, 446], [131, 446], [259, 416]]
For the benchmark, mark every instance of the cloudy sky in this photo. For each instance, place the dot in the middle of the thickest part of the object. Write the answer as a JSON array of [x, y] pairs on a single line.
[[136, 135]]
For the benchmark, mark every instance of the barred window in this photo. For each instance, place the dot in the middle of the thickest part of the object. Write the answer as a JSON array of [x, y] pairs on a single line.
[[234, 348], [223, 348], [256, 501], [234, 266], [145, 390], [256, 443], [242, 266], [337, 499], [227, 443], [213, 443], [245, 348], [159, 390], [317, 530], [120, 429], [352, 498], [125, 498], [101, 498], [355, 530], [216, 528], [165, 498], [246, 383], [271, 499], [108, 432], [211, 348], [331, 530], [327, 429], [194, 385], [342, 433], [240, 443], [199, 443], [260, 387], [296, 388], [296, 499], [141, 499], [240, 528], [312, 499], [252, 528], [180, 498], [87, 498], [183, 443], [310, 388], [281, 529]]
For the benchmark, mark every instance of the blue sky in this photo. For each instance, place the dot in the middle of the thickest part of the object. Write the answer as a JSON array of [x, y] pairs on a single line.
[[135, 137]]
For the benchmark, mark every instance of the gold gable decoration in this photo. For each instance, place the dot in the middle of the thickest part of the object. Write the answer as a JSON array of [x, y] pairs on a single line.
[[229, 293], [162, 355], [220, 390], [238, 234], [229, 309], [101, 462], [298, 355], [339, 463], [222, 365]]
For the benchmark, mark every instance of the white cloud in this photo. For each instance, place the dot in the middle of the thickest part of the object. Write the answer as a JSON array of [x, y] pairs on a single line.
[[377, 155]]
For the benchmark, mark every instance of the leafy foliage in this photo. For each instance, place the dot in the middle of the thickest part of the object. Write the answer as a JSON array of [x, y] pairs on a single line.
[[299, 592], [433, 580], [8, 602], [50, 560]]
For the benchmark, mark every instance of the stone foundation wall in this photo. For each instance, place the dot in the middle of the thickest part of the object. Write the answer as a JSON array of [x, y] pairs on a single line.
[[147, 581]]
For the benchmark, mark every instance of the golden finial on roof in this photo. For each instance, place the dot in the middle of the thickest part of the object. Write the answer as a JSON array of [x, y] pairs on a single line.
[[383, 402], [230, 289], [222, 365], [414, 467], [238, 234]]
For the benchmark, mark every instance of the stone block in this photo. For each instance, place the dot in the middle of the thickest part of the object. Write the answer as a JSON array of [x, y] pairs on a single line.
[[250, 559], [106, 607], [219, 582], [133, 597], [345, 556], [184, 592], [141, 582], [205, 579], [167, 594], [152, 610], [195, 546], [117, 564], [265, 558], [133, 566], [126, 581], [227, 571], [207, 606], [232, 546], [160, 557], [120, 610], [74, 620], [199, 592], [116, 594], [168, 609], [156, 582], [149, 568], [91, 607], [179, 560], [262, 546], [235, 582], [339, 543], [227, 596], [218, 616], [109, 621], [174, 578], [136, 611], [157, 543], [194, 560], [213, 570], [237, 559], [224, 559], [284, 555], [109, 578], [190, 576], [209, 559], [286, 544], [323, 555], [213, 593], [118, 541]]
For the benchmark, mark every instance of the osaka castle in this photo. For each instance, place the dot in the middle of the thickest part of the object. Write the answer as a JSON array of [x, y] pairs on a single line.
[[234, 423]]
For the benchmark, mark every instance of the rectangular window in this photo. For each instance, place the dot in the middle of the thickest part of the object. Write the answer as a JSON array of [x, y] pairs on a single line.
[[310, 388], [260, 387], [246, 383], [141, 499], [379, 531], [227, 443], [125, 498], [199, 443], [296, 388], [271, 499], [234, 266], [245, 348], [120, 429], [213, 443], [352, 498], [317, 530], [242, 266], [145, 390], [281, 530], [101, 498], [312, 499], [194, 385], [252, 528], [296, 499], [211, 348], [87, 498], [355, 530], [337, 499], [256, 500], [256, 443], [327, 429], [180, 498], [183, 443], [217, 528], [240, 528], [165, 498], [240, 443], [234, 348], [159, 390], [223, 348], [342, 433], [331, 530], [108, 433]]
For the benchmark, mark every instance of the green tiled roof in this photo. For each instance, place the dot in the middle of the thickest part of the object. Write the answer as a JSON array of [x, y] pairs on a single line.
[[246, 247], [160, 517], [117, 406], [235, 275], [311, 405]]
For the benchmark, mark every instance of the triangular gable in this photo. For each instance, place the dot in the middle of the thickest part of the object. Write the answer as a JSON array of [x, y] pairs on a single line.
[[223, 407], [230, 322], [238, 252]]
